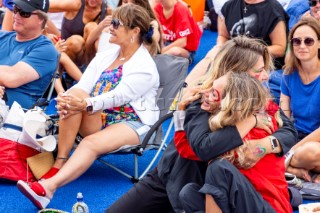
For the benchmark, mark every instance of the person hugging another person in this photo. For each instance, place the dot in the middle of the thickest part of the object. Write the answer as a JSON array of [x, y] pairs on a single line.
[[28, 59], [181, 33], [240, 97], [116, 94], [300, 98]]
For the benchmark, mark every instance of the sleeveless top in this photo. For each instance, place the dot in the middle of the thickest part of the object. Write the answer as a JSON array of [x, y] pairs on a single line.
[[75, 26]]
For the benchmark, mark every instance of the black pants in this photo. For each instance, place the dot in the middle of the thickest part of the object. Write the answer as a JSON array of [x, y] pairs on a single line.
[[148, 195], [231, 190]]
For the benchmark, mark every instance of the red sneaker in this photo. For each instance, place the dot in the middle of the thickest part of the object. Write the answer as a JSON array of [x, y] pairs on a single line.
[[50, 173], [35, 193]]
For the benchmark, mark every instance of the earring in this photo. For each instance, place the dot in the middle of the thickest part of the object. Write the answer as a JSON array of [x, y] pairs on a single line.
[[131, 40]]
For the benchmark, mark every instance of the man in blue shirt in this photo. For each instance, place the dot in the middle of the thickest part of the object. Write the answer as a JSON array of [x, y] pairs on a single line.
[[27, 58]]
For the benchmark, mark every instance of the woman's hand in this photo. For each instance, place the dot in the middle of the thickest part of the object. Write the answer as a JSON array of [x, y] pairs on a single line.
[[68, 105], [264, 121], [189, 96], [61, 45]]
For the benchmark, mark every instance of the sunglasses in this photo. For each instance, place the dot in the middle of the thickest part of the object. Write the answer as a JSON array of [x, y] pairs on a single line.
[[22, 13], [116, 23], [307, 41], [313, 3]]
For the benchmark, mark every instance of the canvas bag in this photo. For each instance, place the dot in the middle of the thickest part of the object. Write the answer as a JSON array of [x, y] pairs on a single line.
[[23, 135], [13, 164]]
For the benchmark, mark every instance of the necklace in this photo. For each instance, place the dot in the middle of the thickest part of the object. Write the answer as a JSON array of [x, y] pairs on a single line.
[[245, 9]]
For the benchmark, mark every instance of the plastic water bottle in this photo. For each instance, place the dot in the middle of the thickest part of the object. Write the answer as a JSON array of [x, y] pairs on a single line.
[[80, 206]]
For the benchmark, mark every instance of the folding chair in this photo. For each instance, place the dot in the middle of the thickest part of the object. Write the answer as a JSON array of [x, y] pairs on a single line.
[[172, 71]]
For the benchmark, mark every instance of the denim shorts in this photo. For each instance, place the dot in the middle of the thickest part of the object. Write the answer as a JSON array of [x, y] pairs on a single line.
[[140, 128]]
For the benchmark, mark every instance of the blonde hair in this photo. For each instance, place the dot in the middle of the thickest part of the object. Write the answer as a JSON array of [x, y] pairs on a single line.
[[244, 96], [239, 54], [293, 62]]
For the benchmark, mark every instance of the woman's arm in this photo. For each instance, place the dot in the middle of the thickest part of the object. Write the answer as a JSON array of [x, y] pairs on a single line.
[[64, 6], [285, 105]]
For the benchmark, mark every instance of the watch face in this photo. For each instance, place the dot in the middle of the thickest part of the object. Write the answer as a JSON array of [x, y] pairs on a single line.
[[89, 108], [274, 142]]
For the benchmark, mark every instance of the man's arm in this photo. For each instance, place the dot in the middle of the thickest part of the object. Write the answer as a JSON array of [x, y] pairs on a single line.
[[17, 75], [207, 144], [286, 135]]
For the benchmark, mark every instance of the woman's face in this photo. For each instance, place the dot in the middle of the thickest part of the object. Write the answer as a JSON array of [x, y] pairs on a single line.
[[258, 71], [119, 33], [211, 97], [305, 43], [94, 3]]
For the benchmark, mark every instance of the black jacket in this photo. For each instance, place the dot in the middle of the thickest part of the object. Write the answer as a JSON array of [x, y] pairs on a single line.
[[175, 171]]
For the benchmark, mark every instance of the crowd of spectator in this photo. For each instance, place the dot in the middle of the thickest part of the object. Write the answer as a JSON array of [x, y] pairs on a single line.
[[265, 62]]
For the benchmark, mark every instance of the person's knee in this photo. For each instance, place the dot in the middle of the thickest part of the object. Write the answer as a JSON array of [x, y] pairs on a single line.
[[75, 44], [308, 154], [188, 191], [218, 169]]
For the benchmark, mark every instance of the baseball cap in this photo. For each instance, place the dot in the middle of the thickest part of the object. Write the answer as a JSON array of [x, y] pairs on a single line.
[[32, 5]]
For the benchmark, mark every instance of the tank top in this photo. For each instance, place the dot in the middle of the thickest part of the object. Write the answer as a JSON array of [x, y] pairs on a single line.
[[75, 26]]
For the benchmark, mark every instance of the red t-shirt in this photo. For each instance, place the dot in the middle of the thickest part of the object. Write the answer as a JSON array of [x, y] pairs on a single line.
[[180, 24], [267, 176]]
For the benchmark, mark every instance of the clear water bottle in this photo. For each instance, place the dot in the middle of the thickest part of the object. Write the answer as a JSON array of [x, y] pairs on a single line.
[[80, 206]]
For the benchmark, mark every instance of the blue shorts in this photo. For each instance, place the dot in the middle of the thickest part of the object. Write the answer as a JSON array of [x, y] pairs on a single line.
[[140, 128]]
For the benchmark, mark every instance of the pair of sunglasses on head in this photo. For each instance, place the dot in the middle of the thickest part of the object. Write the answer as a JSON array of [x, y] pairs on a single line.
[[298, 41], [22, 13], [313, 3]]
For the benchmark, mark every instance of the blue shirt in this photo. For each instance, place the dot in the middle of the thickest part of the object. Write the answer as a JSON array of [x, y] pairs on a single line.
[[40, 54], [304, 101]]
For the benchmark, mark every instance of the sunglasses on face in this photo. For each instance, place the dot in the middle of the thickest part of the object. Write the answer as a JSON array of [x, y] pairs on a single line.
[[216, 95], [22, 13], [116, 23], [298, 41], [313, 3]]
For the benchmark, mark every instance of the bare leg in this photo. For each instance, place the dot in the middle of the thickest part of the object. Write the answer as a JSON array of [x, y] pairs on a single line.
[[211, 205], [306, 158], [69, 127], [75, 49], [89, 149]]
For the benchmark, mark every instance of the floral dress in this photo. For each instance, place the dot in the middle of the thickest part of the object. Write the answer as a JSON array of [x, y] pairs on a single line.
[[107, 81]]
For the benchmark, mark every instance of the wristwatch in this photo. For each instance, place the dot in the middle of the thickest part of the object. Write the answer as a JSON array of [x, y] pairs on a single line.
[[89, 106], [274, 143]]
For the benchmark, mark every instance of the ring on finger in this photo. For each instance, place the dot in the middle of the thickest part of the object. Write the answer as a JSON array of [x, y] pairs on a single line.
[[269, 118]]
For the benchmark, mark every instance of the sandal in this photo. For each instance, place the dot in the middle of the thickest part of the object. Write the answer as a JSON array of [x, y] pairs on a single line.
[[35, 193]]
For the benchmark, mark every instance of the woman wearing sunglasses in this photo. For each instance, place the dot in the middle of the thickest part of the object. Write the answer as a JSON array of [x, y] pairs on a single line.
[[99, 37], [300, 98], [314, 9], [116, 95]]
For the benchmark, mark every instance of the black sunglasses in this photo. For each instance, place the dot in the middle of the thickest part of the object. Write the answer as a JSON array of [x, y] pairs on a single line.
[[307, 41], [23, 13], [116, 23], [313, 3]]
